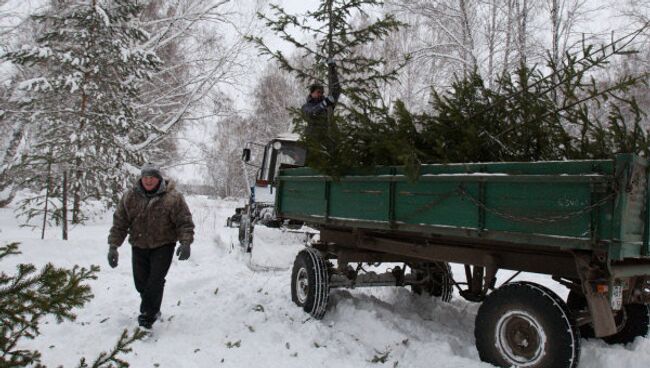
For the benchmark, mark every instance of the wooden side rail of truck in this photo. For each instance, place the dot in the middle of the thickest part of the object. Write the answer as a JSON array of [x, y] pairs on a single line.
[[585, 223]]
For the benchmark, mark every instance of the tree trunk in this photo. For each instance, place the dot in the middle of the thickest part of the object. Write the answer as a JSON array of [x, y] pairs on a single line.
[[555, 31], [76, 195], [509, 29], [330, 82], [47, 197], [521, 34], [492, 30], [555, 39], [9, 155], [468, 40], [78, 174], [64, 206]]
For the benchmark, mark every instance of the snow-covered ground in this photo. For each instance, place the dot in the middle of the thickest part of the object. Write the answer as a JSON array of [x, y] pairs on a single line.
[[218, 311]]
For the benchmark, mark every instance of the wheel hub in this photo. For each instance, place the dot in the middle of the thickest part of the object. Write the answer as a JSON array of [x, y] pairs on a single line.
[[302, 285], [520, 338]]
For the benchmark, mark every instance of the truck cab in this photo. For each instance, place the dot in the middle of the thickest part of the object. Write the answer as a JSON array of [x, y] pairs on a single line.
[[283, 151]]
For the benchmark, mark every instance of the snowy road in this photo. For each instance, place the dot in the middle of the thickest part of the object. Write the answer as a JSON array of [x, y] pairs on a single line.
[[218, 312]]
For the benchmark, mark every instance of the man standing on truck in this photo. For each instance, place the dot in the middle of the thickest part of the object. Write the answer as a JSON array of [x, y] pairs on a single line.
[[155, 216], [318, 109]]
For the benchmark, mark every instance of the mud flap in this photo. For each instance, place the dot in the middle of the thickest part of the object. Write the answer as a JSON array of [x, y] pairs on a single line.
[[601, 314], [600, 308]]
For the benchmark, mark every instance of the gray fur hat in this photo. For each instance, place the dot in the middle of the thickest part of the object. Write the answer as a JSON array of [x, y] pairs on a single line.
[[150, 169]]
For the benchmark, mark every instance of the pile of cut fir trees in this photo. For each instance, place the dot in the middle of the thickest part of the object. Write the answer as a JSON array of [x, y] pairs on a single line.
[[559, 111]]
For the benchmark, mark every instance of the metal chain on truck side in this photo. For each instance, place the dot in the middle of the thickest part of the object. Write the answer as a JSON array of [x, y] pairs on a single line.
[[536, 220], [431, 204]]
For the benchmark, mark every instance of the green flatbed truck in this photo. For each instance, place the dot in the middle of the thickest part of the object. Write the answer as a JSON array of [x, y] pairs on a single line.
[[585, 223]]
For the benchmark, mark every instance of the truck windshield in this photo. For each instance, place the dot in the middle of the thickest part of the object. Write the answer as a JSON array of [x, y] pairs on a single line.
[[291, 155]]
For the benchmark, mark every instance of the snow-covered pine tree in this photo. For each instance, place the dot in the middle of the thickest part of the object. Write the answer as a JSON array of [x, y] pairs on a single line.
[[340, 30], [29, 295], [83, 99]]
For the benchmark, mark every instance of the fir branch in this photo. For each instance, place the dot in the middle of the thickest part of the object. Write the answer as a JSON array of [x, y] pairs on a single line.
[[590, 59], [9, 250], [592, 95], [30, 295], [123, 346]]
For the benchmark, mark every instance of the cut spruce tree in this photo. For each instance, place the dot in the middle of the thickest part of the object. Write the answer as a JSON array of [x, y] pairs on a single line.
[[338, 30]]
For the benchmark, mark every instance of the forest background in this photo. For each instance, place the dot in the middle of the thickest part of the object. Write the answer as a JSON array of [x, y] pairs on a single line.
[[470, 80]]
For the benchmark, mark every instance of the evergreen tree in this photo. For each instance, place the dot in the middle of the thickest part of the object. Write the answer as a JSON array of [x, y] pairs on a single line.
[[83, 119], [340, 29], [30, 295], [529, 116]]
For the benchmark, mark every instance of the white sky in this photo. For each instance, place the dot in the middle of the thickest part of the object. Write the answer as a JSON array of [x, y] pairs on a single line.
[[241, 92]]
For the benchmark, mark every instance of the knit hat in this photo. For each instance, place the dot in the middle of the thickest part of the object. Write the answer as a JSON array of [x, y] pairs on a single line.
[[316, 86], [150, 169]]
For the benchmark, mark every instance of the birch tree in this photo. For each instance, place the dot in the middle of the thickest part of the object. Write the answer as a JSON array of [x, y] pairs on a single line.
[[272, 97], [199, 58], [451, 31], [226, 171]]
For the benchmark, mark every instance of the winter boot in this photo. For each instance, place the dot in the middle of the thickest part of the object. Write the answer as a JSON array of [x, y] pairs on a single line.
[[146, 321]]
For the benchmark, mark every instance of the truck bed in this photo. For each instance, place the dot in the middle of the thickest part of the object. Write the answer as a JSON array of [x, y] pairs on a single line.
[[582, 205]]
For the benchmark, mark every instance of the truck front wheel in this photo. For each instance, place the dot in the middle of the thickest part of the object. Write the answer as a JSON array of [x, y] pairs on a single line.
[[523, 324], [310, 282], [245, 233]]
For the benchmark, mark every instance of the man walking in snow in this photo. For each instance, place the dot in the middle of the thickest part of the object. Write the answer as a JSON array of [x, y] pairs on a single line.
[[155, 216]]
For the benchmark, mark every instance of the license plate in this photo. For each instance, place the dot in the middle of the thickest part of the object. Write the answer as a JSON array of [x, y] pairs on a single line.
[[617, 297]]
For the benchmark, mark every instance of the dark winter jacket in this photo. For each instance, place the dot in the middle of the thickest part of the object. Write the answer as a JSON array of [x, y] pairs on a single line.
[[152, 219]]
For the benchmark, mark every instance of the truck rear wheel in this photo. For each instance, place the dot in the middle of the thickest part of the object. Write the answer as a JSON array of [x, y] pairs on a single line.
[[523, 324], [631, 322], [441, 281], [310, 282]]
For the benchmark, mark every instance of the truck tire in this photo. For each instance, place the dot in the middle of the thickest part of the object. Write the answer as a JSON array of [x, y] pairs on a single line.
[[441, 283], [233, 221], [310, 282], [523, 324], [245, 233], [631, 322]]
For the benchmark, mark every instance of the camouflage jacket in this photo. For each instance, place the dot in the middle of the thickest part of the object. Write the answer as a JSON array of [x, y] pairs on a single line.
[[154, 220]]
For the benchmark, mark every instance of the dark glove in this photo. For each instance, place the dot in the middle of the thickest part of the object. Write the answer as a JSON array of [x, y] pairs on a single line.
[[183, 252], [112, 256], [330, 101]]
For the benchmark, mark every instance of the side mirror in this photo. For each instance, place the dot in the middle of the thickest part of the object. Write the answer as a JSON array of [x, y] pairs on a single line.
[[246, 155]]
